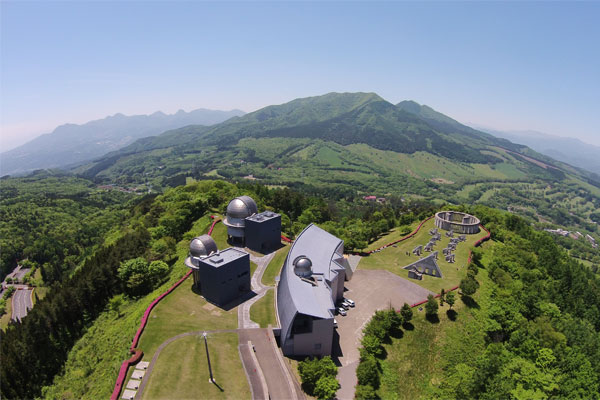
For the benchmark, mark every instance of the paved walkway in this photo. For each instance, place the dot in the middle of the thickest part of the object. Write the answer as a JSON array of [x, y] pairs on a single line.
[[371, 290], [244, 321], [279, 378]]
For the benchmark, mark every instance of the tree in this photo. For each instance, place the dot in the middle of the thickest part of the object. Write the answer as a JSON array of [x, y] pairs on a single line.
[[468, 286], [115, 304], [450, 299], [372, 345], [365, 392], [406, 313], [431, 307], [326, 387], [313, 369], [367, 372], [442, 295]]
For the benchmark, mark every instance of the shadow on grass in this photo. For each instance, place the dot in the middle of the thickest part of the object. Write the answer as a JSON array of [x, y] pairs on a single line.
[[469, 302], [408, 326], [433, 318], [397, 333], [217, 385], [451, 314]]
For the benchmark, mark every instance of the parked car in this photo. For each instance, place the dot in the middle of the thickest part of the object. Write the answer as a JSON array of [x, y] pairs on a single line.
[[341, 311], [344, 305], [350, 302], [335, 323]]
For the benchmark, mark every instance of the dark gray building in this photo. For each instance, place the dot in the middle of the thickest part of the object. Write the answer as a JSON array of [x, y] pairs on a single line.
[[310, 285], [220, 276], [263, 232], [247, 228]]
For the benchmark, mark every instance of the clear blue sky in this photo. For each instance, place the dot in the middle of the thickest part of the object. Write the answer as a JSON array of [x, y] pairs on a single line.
[[503, 65]]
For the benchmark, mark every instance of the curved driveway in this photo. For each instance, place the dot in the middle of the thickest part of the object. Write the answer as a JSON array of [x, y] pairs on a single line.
[[21, 303]]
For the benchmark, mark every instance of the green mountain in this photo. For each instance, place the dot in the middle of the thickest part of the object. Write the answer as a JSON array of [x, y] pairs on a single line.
[[71, 144], [353, 143]]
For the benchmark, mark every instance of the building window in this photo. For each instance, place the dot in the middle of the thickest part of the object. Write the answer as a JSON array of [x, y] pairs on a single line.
[[317, 346]]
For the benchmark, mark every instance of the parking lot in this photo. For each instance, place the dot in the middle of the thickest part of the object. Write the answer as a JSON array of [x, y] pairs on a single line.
[[371, 290]]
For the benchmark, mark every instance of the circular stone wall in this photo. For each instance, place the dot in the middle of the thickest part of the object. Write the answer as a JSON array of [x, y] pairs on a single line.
[[458, 222]]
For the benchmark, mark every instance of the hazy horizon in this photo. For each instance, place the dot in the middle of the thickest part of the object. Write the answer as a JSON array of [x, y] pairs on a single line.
[[507, 66]]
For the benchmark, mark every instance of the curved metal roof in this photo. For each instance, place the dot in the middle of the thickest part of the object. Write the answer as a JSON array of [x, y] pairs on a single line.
[[241, 207], [202, 246], [295, 295]]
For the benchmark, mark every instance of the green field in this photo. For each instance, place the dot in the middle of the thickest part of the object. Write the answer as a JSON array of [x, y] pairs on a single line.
[[263, 311], [414, 367], [393, 259], [393, 235], [275, 265], [181, 371]]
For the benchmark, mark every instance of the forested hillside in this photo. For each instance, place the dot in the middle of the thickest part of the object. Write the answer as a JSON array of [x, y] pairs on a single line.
[[55, 220], [348, 144], [537, 300]]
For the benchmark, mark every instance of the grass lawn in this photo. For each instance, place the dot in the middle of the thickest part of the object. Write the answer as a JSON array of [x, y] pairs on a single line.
[[393, 259], [183, 311], [263, 311], [414, 362], [275, 265], [394, 234], [181, 371], [219, 234], [7, 316]]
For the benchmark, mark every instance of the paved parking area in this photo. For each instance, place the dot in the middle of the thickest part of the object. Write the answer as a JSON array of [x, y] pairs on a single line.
[[371, 290]]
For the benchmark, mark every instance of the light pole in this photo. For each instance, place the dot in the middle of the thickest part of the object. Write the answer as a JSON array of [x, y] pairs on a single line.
[[212, 380]]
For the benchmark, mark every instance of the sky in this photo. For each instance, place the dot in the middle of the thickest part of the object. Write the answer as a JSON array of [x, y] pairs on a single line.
[[502, 65]]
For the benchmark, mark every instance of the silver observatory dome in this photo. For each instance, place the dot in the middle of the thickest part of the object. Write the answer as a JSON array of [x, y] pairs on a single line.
[[240, 208], [200, 246], [303, 267]]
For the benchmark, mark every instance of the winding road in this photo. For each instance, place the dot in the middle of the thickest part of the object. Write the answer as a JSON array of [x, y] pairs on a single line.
[[21, 303]]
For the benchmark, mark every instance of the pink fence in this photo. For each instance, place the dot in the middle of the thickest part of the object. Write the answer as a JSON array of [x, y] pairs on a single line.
[[286, 239], [137, 353]]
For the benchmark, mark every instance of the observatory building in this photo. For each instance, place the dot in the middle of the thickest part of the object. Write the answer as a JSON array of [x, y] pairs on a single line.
[[246, 227], [310, 284], [220, 276]]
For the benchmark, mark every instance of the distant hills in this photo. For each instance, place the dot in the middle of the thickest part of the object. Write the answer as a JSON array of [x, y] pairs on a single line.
[[569, 150], [335, 137], [72, 144]]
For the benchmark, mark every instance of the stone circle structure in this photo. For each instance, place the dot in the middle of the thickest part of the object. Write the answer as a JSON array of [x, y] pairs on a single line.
[[455, 221]]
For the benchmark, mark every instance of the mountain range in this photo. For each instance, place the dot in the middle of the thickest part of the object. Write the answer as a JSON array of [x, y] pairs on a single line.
[[569, 150], [72, 144]]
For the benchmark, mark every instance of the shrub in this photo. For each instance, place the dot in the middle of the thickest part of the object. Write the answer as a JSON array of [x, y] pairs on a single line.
[[431, 307], [367, 372], [326, 387], [365, 392], [312, 370]]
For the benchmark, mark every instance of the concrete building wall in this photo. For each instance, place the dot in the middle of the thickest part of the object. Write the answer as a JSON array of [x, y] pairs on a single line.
[[226, 282], [458, 222], [263, 236], [316, 343]]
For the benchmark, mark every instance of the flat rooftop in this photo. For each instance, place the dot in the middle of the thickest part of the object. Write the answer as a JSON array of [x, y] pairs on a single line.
[[263, 216], [223, 257]]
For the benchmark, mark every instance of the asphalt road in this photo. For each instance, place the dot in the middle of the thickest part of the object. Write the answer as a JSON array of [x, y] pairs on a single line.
[[21, 303]]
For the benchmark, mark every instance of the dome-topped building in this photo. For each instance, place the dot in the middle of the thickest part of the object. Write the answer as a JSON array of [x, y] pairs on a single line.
[[200, 248], [238, 210]]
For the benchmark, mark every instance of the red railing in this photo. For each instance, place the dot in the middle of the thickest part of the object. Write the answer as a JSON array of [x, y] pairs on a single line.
[[286, 239], [137, 353]]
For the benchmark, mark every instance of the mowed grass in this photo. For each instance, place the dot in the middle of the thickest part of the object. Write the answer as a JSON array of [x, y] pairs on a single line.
[[413, 367], [275, 265], [183, 311], [393, 259], [263, 311], [4, 321], [181, 371], [393, 235]]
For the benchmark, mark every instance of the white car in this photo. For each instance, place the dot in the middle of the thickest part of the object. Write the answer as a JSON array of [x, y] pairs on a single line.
[[335, 323], [341, 311], [345, 305], [350, 302]]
